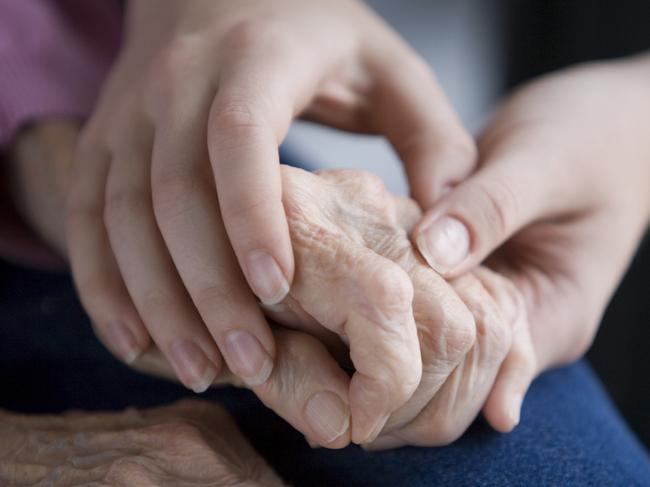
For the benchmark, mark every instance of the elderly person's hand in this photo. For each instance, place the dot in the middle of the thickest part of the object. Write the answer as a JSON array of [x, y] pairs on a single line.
[[427, 354], [358, 280], [174, 208], [187, 443], [358, 275], [559, 202]]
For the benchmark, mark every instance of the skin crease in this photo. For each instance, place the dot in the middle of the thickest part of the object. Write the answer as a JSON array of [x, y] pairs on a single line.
[[560, 200], [188, 443], [352, 247], [150, 254], [566, 263]]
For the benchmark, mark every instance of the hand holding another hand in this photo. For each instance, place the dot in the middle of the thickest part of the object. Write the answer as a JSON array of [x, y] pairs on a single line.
[[359, 283], [175, 201]]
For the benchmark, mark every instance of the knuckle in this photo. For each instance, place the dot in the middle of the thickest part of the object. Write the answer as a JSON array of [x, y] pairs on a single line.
[[79, 213], [510, 301], [121, 205], [154, 302], [234, 116], [214, 298], [173, 193], [367, 183], [500, 335], [129, 468], [250, 33], [169, 69], [388, 286], [459, 334], [499, 205]]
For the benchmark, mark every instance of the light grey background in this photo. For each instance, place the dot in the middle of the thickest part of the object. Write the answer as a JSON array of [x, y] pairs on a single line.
[[461, 40]]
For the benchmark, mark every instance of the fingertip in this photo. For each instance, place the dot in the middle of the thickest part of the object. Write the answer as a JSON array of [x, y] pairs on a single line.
[[444, 243], [248, 358], [205, 381], [192, 365], [328, 416], [369, 403], [267, 279], [503, 409]]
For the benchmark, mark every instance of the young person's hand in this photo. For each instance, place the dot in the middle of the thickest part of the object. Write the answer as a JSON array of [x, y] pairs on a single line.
[[176, 187], [559, 202]]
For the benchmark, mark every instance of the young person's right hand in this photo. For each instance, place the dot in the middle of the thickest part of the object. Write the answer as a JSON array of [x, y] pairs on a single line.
[[174, 200]]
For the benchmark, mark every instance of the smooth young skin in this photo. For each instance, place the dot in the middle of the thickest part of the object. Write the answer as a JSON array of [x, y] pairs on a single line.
[[174, 202], [188, 443], [560, 200]]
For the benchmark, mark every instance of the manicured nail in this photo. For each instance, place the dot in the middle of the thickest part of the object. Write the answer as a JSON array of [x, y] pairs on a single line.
[[192, 366], [266, 277], [444, 243], [124, 342], [247, 358], [327, 415]]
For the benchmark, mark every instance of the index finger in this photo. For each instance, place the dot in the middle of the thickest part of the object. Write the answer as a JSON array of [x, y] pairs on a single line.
[[261, 87]]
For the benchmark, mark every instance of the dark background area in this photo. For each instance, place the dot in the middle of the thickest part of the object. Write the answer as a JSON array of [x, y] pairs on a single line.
[[546, 35]]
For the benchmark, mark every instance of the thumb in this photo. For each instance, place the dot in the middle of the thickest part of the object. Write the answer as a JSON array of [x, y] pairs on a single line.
[[511, 188]]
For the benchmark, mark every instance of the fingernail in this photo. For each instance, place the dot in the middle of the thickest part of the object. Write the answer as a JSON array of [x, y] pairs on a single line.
[[370, 400], [327, 415], [192, 366], [266, 277], [444, 243], [124, 342], [378, 427], [514, 409], [247, 358]]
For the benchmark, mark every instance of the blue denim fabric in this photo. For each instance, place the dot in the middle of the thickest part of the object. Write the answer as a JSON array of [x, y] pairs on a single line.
[[570, 434]]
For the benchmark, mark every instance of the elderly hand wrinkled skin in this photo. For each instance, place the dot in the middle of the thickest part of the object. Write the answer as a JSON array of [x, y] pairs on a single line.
[[187, 443], [427, 352]]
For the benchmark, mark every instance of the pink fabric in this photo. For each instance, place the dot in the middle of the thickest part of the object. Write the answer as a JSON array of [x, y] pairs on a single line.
[[54, 55]]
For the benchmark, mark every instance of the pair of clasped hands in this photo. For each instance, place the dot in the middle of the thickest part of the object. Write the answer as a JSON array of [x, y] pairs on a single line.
[[197, 255]]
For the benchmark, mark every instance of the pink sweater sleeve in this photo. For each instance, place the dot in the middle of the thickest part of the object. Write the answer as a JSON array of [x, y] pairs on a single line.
[[54, 55]]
